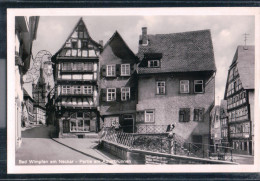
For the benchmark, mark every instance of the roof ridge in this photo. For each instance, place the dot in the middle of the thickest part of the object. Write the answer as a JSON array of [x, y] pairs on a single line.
[[195, 31]]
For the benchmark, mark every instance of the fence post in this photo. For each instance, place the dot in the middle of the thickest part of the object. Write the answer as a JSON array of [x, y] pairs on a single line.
[[203, 150], [161, 145], [175, 147], [171, 145], [189, 149], [231, 155]]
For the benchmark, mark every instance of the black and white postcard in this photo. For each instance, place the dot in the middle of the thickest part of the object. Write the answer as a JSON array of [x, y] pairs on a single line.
[[133, 90]]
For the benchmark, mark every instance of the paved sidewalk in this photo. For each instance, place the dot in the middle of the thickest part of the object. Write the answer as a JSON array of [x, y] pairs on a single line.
[[88, 147], [243, 159]]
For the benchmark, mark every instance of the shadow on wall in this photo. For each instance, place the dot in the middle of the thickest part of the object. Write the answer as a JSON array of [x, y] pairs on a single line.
[[39, 132]]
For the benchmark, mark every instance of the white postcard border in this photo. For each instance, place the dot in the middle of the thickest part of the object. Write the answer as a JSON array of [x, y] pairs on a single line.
[[12, 168]]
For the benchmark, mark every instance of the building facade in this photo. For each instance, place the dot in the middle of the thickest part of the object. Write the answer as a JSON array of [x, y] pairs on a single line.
[[224, 123], [29, 107], [75, 75], [39, 91], [176, 83], [118, 85], [239, 94], [50, 109], [215, 127], [25, 33]]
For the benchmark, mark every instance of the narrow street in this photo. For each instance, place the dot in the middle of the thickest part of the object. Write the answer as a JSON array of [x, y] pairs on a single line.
[[38, 148]]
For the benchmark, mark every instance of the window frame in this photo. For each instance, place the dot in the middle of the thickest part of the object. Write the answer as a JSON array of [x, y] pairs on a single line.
[[152, 61], [107, 92], [88, 66], [183, 84], [77, 89], [124, 70], [159, 87], [125, 92], [113, 72], [145, 116], [87, 88], [196, 83], [186, 115], [200, 115]]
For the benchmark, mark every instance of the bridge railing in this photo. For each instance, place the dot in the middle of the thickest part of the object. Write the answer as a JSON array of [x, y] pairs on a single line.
[[175, 145]]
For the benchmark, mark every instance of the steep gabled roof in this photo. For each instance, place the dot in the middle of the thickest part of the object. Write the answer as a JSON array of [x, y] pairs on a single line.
[[246, 66], [27, 95], [61, 53], [119, 47], [223, 108], [181, 52]]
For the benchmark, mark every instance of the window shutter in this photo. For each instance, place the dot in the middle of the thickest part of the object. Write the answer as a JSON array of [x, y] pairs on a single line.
[[118, 68], [132, 93], [132, 68], [118, 94], [103, 71], [187, 115], [103, 93]]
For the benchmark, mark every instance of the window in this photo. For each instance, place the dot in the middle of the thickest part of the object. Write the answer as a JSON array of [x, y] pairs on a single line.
[[80, 34], [198, 114], [184, 86], [66, 66], [84, 44], [149, 116], [88, 66], [88, 89], [153, 63], [77, 89], [111, 94], [198, 86], [66, 89], [160, 87], [125, 69], [184, 115], [125, 93], [78, 66], [74, 43], [111, 70]]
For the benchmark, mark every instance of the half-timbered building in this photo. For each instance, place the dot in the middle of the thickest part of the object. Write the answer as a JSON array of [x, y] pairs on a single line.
[[75, 75], [224, 123], [239, 94]]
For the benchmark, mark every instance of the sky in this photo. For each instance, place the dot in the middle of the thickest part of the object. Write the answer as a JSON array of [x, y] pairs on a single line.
[[226, 31]]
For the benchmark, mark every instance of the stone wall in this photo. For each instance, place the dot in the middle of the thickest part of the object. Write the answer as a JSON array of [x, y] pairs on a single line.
[[147, 157]]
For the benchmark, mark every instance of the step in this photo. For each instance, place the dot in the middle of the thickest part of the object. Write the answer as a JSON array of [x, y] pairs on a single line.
[[91, 135]]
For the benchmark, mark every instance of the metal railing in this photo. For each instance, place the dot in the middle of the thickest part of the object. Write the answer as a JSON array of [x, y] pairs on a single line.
[[151, 129], [162, 144]]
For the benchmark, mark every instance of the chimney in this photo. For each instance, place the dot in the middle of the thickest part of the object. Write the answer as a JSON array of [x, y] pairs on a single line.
[[144, 36], [101, 42]]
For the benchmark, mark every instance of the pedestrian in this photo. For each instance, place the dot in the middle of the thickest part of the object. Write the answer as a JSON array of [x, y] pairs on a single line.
[[170, 129]]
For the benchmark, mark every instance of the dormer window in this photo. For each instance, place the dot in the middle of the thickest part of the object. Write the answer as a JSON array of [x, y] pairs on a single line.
[[153, 63]]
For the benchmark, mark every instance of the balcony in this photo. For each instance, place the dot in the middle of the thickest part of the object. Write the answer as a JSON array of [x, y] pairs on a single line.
[[69, 80], [75, 105], [80, 71], [238, 119], [239, 135], [75, 95]]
